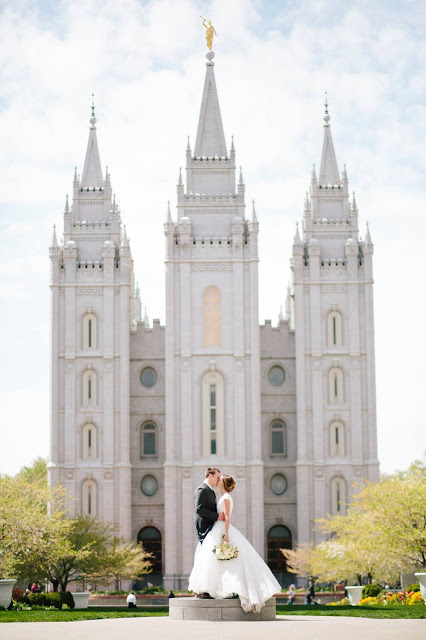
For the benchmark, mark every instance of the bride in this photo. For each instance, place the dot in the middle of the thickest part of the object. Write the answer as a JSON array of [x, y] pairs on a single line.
[[246, 575]]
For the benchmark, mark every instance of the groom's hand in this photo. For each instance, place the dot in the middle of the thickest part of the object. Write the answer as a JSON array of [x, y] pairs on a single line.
[[221, 516]]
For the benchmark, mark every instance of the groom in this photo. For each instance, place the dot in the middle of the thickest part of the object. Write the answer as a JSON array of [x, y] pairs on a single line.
[[205, 504]]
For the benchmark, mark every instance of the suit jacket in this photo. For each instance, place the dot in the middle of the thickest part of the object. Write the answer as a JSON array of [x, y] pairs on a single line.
[[205, 510]]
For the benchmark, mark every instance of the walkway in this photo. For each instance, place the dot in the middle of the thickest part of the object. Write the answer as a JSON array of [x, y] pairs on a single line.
[[292, 627]]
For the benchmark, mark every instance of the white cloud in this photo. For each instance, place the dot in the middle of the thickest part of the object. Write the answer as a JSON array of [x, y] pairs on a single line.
[[144, 61]]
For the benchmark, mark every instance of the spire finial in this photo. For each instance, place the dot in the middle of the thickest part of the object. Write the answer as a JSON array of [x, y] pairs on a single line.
[[188, 147], [241, 181], [169, 214], [354, 206], [75, 174], [54, 240], [93, 118], [327, 116], [67, 206], [253, 213], [180, 181], [313, 173], [232, 144], [307, 203], [344, 174], [297, 240]]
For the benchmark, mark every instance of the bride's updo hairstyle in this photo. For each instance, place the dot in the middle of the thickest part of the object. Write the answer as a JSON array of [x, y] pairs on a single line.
[[228, 483]]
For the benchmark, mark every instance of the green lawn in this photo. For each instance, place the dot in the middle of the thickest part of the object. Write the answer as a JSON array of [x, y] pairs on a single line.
[[79, 614], [414, 611]]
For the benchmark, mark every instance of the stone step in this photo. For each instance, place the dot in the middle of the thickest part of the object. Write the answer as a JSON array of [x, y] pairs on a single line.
[[216, 610]]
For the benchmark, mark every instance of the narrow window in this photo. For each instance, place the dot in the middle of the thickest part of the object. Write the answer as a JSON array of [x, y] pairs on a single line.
[[334, 331], [148, 439], [335, 382], [213, 437], [89, 389], [335, 386], [338, 496], [89, 442], [337, 439], [90, 333], [337, 436], [89, 500], [213, 419], [278, 438]]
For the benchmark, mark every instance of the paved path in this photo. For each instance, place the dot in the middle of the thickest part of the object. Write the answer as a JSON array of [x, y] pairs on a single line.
[[291, 627]]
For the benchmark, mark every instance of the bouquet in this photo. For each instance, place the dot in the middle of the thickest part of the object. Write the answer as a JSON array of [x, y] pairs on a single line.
[[225, 551]]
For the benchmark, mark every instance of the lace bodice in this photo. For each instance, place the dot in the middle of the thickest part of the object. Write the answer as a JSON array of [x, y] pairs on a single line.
[[220, 505]]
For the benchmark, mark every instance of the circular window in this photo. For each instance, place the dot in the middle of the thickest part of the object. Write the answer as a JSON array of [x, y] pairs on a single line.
[[148, 377], [276, 376], [149, 485], [279, 484]]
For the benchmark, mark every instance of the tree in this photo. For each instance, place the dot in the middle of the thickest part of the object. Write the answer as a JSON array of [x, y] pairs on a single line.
[[35, 473], [92, 550], [27, 527]]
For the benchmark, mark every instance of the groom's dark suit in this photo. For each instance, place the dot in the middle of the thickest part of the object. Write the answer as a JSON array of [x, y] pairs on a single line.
[[205, 510]]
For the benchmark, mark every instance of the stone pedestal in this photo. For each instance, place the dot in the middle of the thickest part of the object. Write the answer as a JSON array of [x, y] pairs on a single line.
[[217, 610], [81, 599]]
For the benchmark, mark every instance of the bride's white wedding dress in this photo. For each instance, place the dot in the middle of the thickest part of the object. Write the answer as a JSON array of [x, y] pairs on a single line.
[[248, 576]]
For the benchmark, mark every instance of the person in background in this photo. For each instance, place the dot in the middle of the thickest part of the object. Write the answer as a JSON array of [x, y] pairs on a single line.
[[171, 594], [131, 600], [291, 594]]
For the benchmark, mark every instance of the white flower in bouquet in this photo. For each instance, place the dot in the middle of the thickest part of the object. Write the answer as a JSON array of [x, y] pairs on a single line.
[[225, 551]]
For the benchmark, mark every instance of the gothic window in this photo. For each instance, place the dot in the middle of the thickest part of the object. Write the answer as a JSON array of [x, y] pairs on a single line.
[[89, 506], [89, 388], [335, 383], [89, 442], [148, 440], [278, 438], [337, 439], [279, 537], [338, 496], [213, 414], [89, 331], [335, 329], [212, 317]]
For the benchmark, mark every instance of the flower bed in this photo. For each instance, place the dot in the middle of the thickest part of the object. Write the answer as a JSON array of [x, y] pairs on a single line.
[[400, 598]]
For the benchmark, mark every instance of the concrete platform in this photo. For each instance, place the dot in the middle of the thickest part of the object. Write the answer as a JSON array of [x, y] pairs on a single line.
[[218, 610]]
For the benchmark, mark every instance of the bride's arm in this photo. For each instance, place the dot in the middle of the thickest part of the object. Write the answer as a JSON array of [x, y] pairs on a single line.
[[227, 511]]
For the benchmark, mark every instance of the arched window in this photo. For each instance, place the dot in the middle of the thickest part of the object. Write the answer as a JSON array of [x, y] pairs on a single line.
[[89, 388], [90, 331], [278, 438], [148, 440], [213, 414], [337, 439], [338, 496], [89, 506], [335, 329], [279, 537], [335, 382], [212, 317], [150, 538], [89, 442]]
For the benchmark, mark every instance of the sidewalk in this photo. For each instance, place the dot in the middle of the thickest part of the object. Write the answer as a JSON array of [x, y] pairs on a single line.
[[292, 627]]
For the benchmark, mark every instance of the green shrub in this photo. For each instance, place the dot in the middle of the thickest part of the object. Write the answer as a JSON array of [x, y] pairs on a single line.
[[413, 587], [154, 589], [66, 598], [52, 599], [371, 591]]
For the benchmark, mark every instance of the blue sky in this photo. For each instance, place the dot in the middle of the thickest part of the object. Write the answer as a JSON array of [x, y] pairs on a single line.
[[145, 63]]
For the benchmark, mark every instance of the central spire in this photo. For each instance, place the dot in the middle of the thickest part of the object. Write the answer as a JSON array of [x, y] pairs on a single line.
[[210, 140], [92, 171], [329, 172]]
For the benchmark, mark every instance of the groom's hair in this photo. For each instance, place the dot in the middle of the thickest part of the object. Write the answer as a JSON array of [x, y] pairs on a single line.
[[210, 471]]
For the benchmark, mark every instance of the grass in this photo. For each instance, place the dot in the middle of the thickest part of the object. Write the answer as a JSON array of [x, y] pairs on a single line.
[[414, 611], [78, 614]]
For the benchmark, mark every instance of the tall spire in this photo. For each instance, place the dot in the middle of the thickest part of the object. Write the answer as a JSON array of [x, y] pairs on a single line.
[[210, 137], [55, 240], [92, 171], [329, 172], [67, 206]]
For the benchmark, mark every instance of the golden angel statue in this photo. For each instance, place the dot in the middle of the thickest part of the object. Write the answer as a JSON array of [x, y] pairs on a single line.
[[209, 32]]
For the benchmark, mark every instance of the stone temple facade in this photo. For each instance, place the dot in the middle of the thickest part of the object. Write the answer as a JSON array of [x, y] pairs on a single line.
[[138, 411]]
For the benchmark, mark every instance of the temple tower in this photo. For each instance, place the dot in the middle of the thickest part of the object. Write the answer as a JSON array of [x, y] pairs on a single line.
[[212, 340], [334, 348], [92, 300]]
